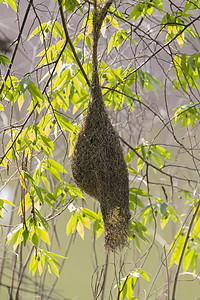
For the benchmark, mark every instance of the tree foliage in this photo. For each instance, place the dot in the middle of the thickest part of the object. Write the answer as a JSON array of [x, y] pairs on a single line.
[[149, 67]]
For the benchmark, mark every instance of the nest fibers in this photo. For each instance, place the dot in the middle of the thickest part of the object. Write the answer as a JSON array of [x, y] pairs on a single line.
[[99, 169]]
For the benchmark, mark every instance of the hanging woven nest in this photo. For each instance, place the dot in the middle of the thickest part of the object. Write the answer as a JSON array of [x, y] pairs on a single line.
[[99, 168]]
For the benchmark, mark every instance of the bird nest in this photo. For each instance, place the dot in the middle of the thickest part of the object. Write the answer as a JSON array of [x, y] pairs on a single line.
[[99, 169]]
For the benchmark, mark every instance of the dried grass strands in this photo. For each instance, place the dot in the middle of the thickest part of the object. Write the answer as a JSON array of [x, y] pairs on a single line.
[[98, 164]]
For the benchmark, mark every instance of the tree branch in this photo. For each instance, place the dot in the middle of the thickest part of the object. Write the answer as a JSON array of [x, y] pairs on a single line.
[[17, 44], [183, 251], [71, 44]]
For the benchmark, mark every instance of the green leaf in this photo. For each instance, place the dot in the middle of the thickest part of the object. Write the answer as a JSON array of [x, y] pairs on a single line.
[[64, 122], [173, 214], [48, 194], [136, 12], [29, 178], [25, 236], [157, 159], [46, 181], [41, 261], [80, 228], [13, 232], [139, 192], [17, 238], [1, 212], [61, 98], [163, 208], [35, 239], [38, 29], [69, 225], [187, 259], [21, 100], [54, 164], [164, 220], [194, 262], [74, 190], [111, 43], [112, 21], [45, 224], [23, 85], [88, 42], [43, 234], [35, 92], [1, 107], [12, 4], [132, 170], [70, 6], [55, 269], [143, 274], [196, 228], [133, 198], [130, 156], [59, 30], [4, 59], [163, 152], [38, 192], [33, 264], [2, 201], [47, 141], [129, 286], [90, 214], [54, 172], [51, 254], [178, 250]]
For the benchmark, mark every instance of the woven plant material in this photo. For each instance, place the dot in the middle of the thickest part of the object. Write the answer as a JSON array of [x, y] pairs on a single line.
[[99, 169], [98, 165]]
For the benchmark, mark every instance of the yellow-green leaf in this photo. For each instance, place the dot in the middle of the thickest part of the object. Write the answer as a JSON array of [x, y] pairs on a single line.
[[187, 259], [69, 225], [12, 4], [33, 264], [21, 100], [1, 107], [80, 229], [111, 43], [22, 179], [7, 201], [43, 234], [55, 269], [36, 30], [32, 135]]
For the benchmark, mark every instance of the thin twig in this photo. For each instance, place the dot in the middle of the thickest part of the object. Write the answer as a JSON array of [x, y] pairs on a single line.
[[22, 272], [71, 44], [61, 266], [183, 251], [104, 277], [17, 44]]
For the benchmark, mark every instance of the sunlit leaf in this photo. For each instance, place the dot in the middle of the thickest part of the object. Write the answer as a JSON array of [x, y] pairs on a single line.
[[66, 123], [80, 229], [43, 234], [21, 100], [2, 201], [38, 29], [187, 259], [35, 239], [1, 107], [54, 164], [163, 208], [139, 192], [4, 59], [130, 156], [55, 269]]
